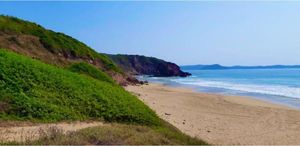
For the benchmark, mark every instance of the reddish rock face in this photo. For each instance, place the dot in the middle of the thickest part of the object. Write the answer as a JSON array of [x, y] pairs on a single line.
[[143, 65]]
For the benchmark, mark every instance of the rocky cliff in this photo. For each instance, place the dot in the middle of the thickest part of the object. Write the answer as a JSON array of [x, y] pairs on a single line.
[[142, 65]]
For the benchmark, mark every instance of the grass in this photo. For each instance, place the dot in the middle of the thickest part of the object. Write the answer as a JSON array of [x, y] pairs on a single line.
[[115, 134], [55, 42], [34, 91], [89, 70]]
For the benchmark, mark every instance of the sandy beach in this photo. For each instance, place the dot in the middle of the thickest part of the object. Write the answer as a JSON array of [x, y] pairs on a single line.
[[222, 119]]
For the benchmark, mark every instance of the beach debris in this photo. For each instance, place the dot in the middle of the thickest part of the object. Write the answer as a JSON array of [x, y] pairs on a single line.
[[208, 131], [183, 122], [167, 114]]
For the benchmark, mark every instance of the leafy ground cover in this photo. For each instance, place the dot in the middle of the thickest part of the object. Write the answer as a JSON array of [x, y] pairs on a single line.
[[32, 90], [89, 70]]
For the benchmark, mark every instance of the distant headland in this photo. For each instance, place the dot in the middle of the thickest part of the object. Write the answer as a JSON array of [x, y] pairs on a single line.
[[220, 67]]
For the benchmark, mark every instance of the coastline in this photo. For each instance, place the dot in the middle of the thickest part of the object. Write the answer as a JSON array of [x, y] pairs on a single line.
[[222, 119]]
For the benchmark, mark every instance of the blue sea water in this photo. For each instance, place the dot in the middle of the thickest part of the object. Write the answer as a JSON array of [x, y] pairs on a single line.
[[281, 86]]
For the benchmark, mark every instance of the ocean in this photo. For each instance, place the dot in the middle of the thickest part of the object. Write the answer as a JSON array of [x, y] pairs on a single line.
[[280, 86]]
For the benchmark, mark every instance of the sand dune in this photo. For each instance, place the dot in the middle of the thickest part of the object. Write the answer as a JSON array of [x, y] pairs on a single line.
[[221, 119]]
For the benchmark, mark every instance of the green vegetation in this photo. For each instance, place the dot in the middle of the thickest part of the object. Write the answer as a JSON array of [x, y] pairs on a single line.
[[55, 42], [117, 134], [89, 70], [32, 90]]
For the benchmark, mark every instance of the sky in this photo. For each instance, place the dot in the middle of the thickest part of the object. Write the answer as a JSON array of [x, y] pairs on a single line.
[[227, 33]]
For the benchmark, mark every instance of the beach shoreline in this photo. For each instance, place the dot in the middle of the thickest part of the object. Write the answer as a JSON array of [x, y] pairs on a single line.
[[222, 119]]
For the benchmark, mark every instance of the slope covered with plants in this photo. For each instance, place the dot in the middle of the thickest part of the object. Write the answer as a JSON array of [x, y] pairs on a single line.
[[52, 47], [32, 90], [89, 70], [46, 76]]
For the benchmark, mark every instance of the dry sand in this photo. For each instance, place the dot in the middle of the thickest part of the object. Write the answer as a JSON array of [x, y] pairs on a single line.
[[221, 119], [33, 132]]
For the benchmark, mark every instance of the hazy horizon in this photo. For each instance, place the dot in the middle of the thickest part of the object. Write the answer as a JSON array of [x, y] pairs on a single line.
[[238, 65], [186, 33]]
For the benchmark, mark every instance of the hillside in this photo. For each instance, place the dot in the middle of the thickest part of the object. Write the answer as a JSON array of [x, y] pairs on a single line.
[[218, 67], [52, 47], [49, 77], [33, 91], [202, 67], [142, 65]]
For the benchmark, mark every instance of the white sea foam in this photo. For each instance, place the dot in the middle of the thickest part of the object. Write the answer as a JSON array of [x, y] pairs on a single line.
[[278, 90]]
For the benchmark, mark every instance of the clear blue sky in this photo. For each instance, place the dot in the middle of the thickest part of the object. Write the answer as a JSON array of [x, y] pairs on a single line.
[[228, 33]]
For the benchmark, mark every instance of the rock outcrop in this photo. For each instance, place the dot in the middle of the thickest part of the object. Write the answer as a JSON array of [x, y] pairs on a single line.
[[142, 65]]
